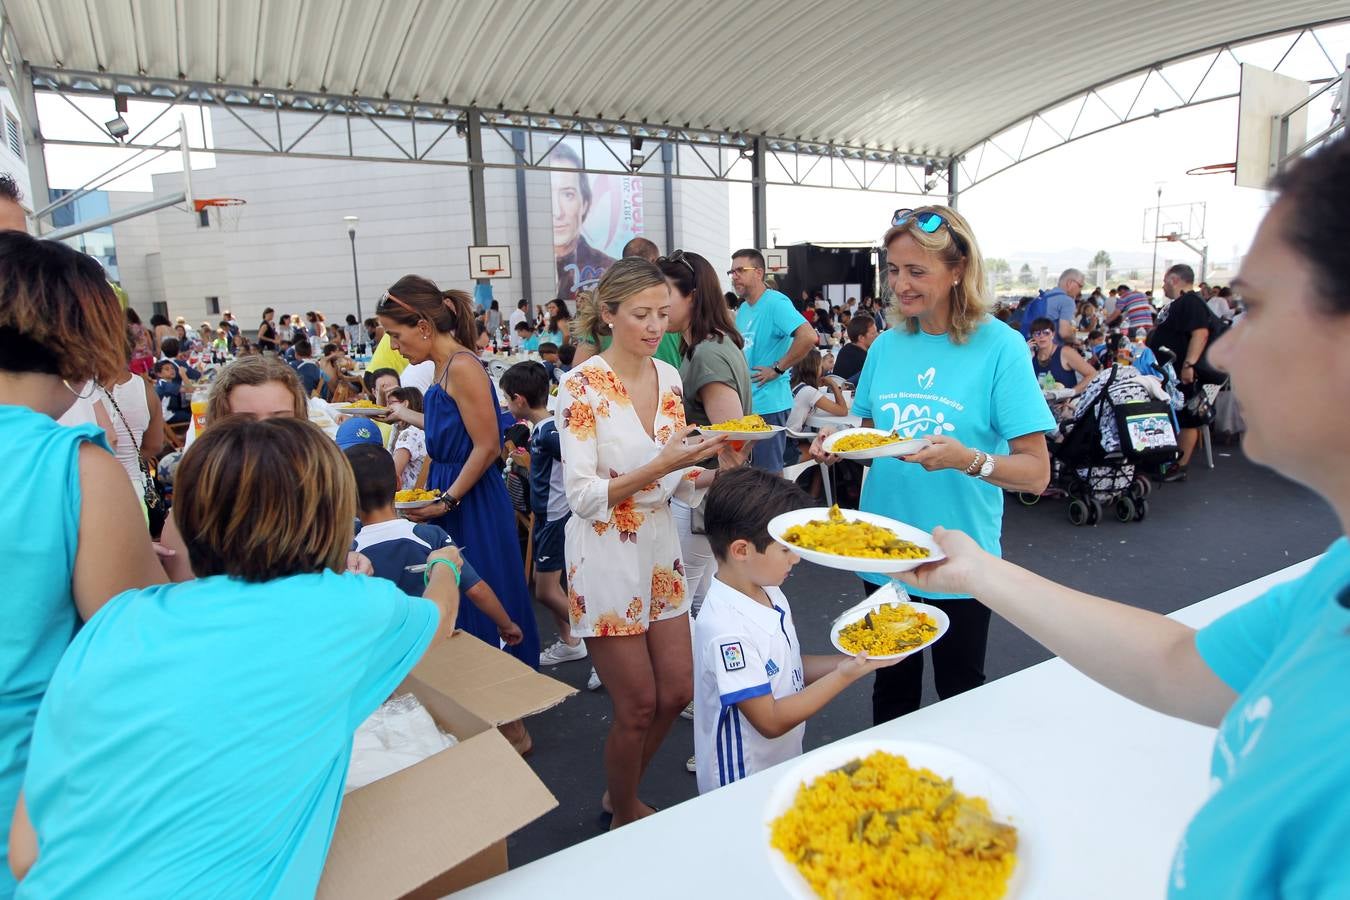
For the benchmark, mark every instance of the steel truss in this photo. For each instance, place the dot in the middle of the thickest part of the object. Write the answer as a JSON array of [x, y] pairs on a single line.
[[1204, 76]]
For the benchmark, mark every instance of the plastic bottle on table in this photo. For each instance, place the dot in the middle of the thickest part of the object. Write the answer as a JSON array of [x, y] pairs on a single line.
[[199, 398]]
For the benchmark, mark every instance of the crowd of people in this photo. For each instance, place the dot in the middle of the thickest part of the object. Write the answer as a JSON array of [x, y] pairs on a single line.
[[142, 670]]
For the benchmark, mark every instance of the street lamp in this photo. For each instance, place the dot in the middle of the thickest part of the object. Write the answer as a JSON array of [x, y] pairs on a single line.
[[356, 280]]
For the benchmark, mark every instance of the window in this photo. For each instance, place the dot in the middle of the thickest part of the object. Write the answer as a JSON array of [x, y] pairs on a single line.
[[13, 136], [213, 306]]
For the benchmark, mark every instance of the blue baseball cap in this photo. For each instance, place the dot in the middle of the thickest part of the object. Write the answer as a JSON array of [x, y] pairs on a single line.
[[358, 431]]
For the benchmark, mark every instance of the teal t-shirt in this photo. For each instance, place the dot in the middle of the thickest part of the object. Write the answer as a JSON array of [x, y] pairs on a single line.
[[195, 738], [983, 393], [767, 326], [1278, 818], [40, 482]]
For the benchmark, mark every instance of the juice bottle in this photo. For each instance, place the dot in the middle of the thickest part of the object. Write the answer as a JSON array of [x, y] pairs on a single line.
[[199, 397]]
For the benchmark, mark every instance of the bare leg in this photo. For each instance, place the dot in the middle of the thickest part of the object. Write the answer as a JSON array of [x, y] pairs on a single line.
[[626, 669], [672, 656], [548, 590], [1187, 441]]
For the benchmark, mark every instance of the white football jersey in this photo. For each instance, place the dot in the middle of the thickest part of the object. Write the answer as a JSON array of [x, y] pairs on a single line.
[[742, 649]]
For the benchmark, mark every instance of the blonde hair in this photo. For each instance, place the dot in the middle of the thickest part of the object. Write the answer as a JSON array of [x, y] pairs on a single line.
[[624, 278], [254, 370], [953, 244], [236, 523]]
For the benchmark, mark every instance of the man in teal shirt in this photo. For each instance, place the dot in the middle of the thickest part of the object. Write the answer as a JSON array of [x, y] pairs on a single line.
[[776, 339]]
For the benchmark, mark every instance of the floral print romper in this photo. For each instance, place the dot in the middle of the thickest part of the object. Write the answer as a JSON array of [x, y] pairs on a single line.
[[623, 562]]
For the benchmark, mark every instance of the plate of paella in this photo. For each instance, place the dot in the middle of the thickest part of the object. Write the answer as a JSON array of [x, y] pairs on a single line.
[[870, 443], [894, 818], [887, 627], [854, 540], [746, 428], [361, 408], [415, 498]]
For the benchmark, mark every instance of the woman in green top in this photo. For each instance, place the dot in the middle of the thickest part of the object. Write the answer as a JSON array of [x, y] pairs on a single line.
[[716, 382]]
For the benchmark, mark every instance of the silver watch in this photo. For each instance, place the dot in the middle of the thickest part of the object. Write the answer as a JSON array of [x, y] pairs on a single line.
[[987, 468]]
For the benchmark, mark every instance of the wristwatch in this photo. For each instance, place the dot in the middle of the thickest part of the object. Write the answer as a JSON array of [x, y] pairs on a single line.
[[778, 370], [987, 468], [451, 503]]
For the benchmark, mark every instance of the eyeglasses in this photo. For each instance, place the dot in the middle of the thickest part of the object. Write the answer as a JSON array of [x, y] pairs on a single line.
[[742, 269], [677, 256], [1042, 332]]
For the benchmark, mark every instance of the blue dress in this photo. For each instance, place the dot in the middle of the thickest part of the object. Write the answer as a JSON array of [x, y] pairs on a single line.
[[483, 523], [41, 523]]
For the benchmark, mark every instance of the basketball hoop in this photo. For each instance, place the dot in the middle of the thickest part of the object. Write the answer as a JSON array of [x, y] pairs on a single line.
[[1172, 238], [224, 211], [491, 273], [1214, 169]]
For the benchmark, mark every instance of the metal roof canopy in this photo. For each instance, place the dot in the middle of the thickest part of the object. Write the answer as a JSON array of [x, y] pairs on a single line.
[[871, 86]]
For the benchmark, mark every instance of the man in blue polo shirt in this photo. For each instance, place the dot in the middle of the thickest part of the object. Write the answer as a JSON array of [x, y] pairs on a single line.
[[776, 339], [1059, 305]]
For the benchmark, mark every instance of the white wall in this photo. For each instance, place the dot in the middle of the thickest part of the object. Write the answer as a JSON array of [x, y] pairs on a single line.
[[137, 243], [291, 250], [16, 166]]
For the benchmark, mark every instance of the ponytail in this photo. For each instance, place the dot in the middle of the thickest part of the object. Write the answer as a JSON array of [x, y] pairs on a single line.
[[587, 325], [462, 323]]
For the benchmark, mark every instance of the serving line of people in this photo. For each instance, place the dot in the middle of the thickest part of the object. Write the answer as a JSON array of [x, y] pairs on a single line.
[[113, 729]]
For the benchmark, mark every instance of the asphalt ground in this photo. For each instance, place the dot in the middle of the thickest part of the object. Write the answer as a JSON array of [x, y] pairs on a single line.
[[1220, 529]]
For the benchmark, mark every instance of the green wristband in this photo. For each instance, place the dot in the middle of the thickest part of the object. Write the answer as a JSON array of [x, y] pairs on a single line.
[[432, 563]]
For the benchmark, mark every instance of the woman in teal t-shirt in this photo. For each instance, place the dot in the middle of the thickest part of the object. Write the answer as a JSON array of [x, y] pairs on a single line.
[[1272, 674], [948, 372], [195, 737], [70, 519]]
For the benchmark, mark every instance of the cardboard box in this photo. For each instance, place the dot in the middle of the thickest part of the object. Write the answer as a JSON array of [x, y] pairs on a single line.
[[442, 824]]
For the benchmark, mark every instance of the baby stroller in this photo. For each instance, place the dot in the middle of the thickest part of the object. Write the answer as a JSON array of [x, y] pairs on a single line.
[[1117, 426]]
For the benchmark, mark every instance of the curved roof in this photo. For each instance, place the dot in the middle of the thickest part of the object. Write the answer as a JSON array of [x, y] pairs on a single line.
[[931, 79]]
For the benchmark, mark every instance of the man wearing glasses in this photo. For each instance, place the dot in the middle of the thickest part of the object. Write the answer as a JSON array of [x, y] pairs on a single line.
[[776, 339]]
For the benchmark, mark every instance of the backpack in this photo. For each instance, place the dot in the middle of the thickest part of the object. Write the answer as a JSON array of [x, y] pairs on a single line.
[[1205, 373], [1034, 310]]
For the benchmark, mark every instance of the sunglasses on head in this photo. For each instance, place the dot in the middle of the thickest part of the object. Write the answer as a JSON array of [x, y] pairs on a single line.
[[925, 220], [677, 256]]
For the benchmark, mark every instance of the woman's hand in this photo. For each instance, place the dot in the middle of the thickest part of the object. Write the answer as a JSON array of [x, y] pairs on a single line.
[[957, 573], [429, 513], [817, 450], [730, 458], [943, 453], [677, 454]]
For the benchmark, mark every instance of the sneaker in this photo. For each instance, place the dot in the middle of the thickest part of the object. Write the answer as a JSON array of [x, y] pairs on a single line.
[[593, 683], [561, 652], [691, 764], [688, 712], [1174, 474]]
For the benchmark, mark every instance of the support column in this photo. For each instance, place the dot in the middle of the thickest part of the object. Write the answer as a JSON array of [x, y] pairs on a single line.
[[522, 211], [668, 186], [32, 137], [473, 136], [953, 186], [759, 192]]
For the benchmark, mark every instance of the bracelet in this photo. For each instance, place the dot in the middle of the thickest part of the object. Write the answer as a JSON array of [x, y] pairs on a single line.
[[975, 464], [439, 561]]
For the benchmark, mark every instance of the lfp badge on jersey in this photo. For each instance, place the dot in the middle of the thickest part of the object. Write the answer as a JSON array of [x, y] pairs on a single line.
[[732, 657]]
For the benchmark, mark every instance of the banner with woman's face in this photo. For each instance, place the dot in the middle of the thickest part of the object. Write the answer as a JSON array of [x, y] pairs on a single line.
[[593, 217]]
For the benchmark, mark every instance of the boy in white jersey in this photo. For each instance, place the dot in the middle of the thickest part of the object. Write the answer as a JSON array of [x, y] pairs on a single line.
[[753, 689]]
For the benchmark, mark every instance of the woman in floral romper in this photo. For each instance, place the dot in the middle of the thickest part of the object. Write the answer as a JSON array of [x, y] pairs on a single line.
[[621, 422]]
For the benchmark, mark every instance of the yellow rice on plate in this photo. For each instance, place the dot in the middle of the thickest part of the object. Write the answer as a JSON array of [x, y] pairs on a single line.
[[744, 423], [864, 440], [844, 537], [890, 629], [361, 404], [416, 495], [878, 827]]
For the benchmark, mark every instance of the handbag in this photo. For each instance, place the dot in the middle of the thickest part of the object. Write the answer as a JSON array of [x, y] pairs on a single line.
[[154, 503], [1198, 411]]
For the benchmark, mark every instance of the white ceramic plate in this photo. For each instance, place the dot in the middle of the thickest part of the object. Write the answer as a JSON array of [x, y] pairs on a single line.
[[367, 411], [741, 435], [414, 504], [899, 448], [970, 777], [883, 596], [781, 523]]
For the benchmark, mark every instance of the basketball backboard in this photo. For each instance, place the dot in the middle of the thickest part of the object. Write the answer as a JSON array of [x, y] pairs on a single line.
[[775, 260], [1264, 99], [490, 262], [1177, 221]]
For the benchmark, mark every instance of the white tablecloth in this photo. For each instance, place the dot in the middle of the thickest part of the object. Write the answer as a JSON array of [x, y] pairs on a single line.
[[1113, 783]]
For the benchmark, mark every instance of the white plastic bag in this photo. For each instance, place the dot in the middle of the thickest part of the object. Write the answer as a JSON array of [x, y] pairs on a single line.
[[399, 734]]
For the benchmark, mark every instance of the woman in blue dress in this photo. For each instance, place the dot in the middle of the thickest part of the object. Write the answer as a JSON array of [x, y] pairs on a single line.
[[461, 419], [69, 517]]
